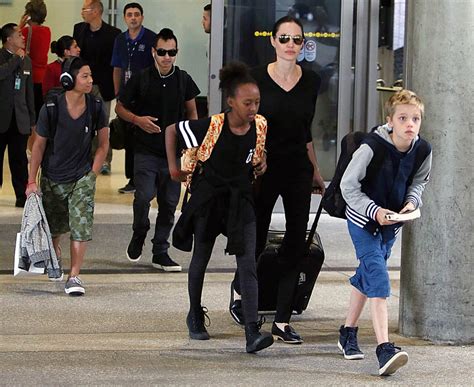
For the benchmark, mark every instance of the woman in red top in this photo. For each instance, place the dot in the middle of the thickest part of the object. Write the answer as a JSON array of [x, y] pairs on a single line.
[[37, 50], [65, 47]]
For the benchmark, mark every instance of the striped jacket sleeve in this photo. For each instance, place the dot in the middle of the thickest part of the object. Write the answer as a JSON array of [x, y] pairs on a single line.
[[356, 200]]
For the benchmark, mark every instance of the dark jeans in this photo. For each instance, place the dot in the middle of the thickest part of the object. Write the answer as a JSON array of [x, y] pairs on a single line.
[[129, 152], [152, 177], [294, 186], [17, 159], [245, 266]]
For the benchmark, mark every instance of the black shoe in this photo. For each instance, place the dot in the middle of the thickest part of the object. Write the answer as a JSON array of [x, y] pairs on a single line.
[[20, 202], [135, 247], [288, 336], [348, 343], [390, 358], [196, 323], [256, 341], [129, 188], [164, 262], [235, 308], [105, 170]]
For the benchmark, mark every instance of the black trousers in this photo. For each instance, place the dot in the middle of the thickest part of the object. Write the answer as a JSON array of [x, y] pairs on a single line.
[[245, 267], [294, 185], [129, 152], [17, 160]]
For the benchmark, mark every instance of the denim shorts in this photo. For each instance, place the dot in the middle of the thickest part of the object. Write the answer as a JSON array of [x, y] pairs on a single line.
[[70, 206], [371, 277]]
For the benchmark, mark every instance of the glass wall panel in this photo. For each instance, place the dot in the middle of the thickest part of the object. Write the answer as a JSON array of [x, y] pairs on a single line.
[[247, 32]]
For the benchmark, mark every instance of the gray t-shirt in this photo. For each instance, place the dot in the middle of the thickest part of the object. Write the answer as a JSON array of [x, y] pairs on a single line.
[[71, 158]]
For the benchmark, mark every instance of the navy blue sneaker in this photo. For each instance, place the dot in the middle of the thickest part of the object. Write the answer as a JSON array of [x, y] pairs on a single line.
[[390, 358], [348, 343]]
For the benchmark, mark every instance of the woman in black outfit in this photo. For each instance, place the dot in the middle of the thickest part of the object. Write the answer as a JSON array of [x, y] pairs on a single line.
[[222, 200], [288, 98]]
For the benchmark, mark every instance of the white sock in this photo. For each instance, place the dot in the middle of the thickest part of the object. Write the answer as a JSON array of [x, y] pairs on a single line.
[[281, 326]]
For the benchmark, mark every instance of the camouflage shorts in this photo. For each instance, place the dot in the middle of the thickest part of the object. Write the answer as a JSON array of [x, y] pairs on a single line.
[[70, 206]]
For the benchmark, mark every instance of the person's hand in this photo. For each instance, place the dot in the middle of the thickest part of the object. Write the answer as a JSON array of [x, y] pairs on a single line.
[[260, 166], [409, 206], [318, 183], [31, 188], [179, 175], [24, 19], [147, 123], [21, 53], [381, 219]]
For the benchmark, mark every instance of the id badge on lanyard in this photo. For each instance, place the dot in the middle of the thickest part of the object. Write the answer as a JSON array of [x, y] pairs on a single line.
[[17, 82]]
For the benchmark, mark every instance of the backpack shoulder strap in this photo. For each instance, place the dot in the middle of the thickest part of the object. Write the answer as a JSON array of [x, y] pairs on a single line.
[[52, 113], [144, 82], [94, 107], [378, 157], [212, 135], [261, 125]]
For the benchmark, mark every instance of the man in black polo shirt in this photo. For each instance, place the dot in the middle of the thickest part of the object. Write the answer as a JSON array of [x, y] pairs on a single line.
[[96, 39], [154, 98]]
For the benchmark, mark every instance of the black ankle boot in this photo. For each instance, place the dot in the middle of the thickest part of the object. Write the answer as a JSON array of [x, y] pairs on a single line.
[[256, 341], [196, 323]]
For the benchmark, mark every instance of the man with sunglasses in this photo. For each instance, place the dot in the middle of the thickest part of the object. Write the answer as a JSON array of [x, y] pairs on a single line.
[[154, 98]]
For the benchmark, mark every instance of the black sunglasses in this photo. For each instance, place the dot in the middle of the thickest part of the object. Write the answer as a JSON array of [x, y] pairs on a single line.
[[163, 52], [297, 39]]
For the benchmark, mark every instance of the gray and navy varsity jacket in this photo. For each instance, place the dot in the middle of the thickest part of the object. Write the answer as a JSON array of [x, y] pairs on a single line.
[[393, 185]]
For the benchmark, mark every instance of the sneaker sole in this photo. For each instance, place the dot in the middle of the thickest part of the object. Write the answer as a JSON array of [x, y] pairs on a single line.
[[198, 336], [276, 338], [75, 291], [170, 269], [58, 279], [396, 362], [349, 357], [131, 259]]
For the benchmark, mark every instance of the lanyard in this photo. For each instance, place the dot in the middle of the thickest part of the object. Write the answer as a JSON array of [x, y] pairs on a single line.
[[131, 51]]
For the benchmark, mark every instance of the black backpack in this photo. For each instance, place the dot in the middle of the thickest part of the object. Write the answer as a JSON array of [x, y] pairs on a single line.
[[332, 201], [94, 107]]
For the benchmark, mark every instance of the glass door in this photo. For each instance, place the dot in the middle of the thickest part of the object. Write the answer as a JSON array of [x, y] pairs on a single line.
[[246, 31]]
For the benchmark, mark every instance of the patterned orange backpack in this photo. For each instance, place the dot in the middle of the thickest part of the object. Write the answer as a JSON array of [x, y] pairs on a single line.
[[192, 156]]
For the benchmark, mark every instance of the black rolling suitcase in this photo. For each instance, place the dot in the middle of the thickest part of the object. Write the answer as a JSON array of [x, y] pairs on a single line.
[[310, 266]]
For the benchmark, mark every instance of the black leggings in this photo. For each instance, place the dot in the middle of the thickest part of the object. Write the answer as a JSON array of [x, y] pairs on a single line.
[[295, 188], [245, 267]]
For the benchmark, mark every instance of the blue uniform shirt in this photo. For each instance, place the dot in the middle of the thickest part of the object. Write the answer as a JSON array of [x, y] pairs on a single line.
[[133, 55]]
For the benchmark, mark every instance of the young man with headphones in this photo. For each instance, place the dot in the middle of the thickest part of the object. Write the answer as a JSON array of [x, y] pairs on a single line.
[[154, 98], [68, 172]]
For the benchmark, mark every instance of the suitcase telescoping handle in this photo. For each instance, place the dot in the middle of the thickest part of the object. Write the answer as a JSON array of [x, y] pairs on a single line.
[[313, 227]]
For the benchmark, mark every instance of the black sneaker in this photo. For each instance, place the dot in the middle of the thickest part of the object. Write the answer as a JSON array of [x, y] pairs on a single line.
[[196, 322], [105, 170], [135, 247], [348, 343], [129, 188], [164, 262], [235, 308], [256, 340], [288, 336], [390, 358]]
